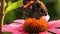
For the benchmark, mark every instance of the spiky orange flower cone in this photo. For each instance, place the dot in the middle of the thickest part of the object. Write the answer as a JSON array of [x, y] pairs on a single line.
[[33, 25]]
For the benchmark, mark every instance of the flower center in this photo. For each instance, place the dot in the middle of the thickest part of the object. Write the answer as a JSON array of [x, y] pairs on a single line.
[[33, 25]]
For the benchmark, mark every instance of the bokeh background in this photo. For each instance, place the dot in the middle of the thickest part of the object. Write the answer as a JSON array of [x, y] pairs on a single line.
[[53, 7]]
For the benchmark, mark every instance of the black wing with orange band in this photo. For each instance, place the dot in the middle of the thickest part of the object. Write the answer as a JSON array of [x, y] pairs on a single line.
[[35, 9]]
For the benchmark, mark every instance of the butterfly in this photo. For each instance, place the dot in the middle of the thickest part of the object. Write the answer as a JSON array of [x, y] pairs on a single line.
[[34, 9]]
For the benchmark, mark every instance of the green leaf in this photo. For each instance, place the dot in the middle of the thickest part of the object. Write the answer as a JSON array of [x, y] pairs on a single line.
[[13, 15], [14, 6], [9, 17]]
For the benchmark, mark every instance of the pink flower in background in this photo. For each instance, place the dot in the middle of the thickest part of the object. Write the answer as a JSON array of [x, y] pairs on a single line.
[[17, 27]]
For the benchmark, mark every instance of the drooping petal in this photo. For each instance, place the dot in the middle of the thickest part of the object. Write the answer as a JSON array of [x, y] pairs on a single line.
[[44, 33], [14, 27], [19, 33], [57, 31], [16, 33], [46, 17], [54, 24], [19, 21]]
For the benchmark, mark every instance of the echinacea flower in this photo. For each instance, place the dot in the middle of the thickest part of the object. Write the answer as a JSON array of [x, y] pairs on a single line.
[[33, 26]]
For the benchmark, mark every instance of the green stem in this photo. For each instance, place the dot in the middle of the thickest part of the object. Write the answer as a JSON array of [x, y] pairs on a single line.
[[3, 18]]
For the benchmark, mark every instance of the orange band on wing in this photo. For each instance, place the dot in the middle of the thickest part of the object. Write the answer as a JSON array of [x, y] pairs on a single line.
[[28, 4]]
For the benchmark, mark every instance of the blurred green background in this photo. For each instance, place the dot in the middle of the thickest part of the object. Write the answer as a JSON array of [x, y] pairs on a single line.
[[53, 7]]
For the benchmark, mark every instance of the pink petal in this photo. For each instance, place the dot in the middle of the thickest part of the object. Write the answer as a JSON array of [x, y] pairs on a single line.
[[19, 33], [14, 27], [57, 31], [46, 17], [19, 21], [25, 33], [16, 33], [54, 24], [44, 33]]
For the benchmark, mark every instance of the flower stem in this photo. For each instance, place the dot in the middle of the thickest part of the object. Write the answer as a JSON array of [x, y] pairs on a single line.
[[3, 18]]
